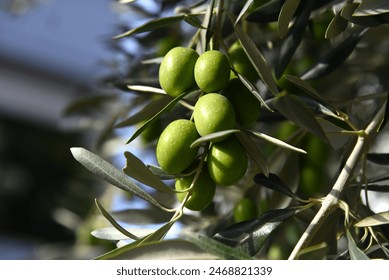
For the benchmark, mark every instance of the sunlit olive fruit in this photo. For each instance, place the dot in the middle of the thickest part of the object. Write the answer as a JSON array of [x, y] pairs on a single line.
[[241, 63], [173, 150], [202, 193], [176, 72], [246, 106], [212, 71], [213, 112], [227, 161], [245, 209]]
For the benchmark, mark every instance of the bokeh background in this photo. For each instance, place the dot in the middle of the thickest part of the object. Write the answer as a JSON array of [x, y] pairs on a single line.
[[53, 53]]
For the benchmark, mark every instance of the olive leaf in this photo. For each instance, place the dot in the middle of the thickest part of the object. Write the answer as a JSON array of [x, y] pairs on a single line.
[[215, 247], [275, 183], [244, 10], [113, 234], [294, 109], [174, 249], [334, 58], [337, 25], [286, 14], [147, 112], [250, 236], [114, 223], [152, 25], [160, 173], [292, 41], [136, 169], [372, 7], [257, 59], [213, 136], [111, 174], [156, 116], [253, 151], [275, 141], [354, 251], [374, 220], [120, 253]]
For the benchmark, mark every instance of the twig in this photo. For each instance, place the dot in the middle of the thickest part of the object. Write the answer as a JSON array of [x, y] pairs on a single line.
[[331, 201]]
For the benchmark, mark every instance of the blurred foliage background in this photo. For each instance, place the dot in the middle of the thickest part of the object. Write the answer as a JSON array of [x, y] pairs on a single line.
[[62, 80]]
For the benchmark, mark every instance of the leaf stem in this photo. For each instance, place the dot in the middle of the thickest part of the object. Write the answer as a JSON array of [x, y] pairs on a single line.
[[332, 200]]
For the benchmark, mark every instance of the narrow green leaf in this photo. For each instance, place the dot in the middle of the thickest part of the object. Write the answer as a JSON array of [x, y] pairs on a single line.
[[314, 252], [244, 10], [156, 116], [114, 223], [268, 12], [112, 233], [254, 91], [160, 173], [213, 136], [194, 21], [111, 174], [257, 59], [217, 248], [254, 152], [142, 216], [295, 110], [275, 183], [147, 112], [374, 220], [275, 141], [137, 170], [286, 14], [152, 25], [250, 236], [121, 251], [369, 21], [337, 25], [355, 252], [372, 7], [306, 87], [175, 249], [294, 38], [148, 89]]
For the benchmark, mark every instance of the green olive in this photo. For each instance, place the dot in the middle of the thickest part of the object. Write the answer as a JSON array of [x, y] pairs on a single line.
[[241, 63], [212, 113], [245, 209], [246, 106], [227, 161], [176, 72], [202, 193], [173, 150], [212, 71]]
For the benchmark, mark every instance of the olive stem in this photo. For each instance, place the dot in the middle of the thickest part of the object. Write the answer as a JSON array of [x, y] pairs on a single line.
[[332, 200]]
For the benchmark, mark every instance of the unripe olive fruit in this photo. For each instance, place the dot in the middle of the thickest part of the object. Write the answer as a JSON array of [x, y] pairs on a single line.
[[202, 193], [241, 63], [246, 106], [173, 150], [212, 113], [176, 72], [212, 71], [227, 161], [245, 209]]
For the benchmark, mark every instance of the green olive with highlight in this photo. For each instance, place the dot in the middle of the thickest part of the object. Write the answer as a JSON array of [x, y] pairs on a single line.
[[173, 151], [202, 193], [176, 72]]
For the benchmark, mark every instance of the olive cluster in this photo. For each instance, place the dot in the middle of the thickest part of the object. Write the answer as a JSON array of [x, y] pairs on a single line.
[[224, 102]]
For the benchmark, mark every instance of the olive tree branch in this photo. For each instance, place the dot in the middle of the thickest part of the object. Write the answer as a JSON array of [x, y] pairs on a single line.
[[331, 201]]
